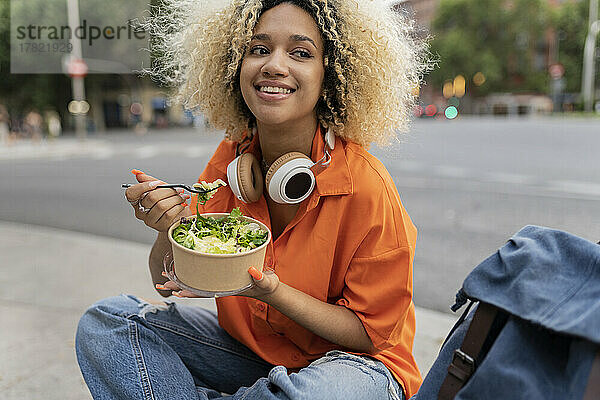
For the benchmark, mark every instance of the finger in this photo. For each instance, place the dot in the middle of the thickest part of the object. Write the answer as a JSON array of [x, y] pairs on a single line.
[[135, 192], [161, 288], [139, 213], [266, 281], [185, 293], [164, 210], [171, 216], [152, 197], [168, 285], [256, 275], [142, 176]]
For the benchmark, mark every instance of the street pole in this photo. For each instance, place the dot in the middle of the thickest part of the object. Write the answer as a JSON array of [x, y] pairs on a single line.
[[588, 86], [77, 83], [593, 12]]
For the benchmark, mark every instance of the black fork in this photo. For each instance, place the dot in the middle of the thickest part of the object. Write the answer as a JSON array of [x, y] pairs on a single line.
[[179, 185]]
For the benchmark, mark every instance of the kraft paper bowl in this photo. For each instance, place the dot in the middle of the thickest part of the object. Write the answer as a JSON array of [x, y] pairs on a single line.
[[216, 274]]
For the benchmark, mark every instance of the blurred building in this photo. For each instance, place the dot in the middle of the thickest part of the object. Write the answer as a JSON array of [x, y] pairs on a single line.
[[125, 101], [424, 10], [543, 55]]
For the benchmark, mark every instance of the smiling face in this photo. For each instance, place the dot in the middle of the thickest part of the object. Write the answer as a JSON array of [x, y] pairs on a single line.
[[282, 72]]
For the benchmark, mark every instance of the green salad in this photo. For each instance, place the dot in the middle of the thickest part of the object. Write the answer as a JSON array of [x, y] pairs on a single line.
[[225, 235], [211, 190]]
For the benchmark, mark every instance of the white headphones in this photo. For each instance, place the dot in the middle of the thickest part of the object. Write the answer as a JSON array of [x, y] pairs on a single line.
[[289, 180]]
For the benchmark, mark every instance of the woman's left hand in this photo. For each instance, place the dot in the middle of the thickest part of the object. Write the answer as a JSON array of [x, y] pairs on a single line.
[[265, 283]]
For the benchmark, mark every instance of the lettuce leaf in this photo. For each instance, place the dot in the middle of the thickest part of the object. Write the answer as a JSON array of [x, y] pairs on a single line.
[[225, 235]]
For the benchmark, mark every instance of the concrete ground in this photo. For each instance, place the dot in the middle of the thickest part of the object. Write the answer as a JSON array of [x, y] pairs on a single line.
[[48, 279]]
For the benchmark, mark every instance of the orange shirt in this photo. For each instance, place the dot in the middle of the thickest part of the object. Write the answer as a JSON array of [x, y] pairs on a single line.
[[351, 243]]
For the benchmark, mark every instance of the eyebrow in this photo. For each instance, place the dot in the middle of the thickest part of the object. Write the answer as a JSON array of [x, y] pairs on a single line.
[[295, 37]]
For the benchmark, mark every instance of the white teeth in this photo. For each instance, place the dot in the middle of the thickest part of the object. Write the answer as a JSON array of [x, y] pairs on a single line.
[[272, 89]]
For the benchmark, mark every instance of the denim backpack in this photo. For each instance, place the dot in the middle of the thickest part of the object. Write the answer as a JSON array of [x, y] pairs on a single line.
[[535, 331]]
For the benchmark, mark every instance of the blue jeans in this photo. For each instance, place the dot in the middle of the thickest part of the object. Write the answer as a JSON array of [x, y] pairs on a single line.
[[130, 349]]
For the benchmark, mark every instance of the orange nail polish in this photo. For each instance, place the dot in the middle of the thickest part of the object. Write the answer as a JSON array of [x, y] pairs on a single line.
[[256, 274], [177, 294], [161, 287], [136, 172]]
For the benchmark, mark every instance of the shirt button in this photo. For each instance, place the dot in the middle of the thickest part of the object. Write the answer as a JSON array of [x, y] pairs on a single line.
[[295, 356], [261, 307]]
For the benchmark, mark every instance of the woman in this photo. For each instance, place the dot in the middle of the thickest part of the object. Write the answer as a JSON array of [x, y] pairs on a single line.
[[333, 317]]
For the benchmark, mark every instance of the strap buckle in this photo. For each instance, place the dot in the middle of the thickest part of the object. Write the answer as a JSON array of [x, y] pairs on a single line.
[[462, 365]]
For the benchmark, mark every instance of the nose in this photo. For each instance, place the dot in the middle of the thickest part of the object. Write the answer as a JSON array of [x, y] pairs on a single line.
[[275, 64]]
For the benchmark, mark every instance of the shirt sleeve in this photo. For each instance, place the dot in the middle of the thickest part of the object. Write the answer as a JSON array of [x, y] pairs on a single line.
[[378, 282], [379, 291]]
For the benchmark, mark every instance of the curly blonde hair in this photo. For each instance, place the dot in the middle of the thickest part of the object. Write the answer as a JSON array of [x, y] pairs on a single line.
[[373, 62]]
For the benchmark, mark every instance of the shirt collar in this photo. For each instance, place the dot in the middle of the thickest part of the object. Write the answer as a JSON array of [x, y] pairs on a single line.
[[334, 180]]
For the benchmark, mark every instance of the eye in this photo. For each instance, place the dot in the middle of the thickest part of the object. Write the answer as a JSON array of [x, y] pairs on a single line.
[[259, 50], [302, 53]]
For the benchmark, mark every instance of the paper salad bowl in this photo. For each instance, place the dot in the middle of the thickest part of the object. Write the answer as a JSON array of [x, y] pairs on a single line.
[[214, 274]]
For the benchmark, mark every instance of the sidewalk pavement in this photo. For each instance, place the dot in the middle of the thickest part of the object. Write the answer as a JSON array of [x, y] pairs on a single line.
[[51, 276]]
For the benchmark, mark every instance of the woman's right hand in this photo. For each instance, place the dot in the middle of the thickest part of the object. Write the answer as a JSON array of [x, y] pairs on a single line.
[[157, 208]]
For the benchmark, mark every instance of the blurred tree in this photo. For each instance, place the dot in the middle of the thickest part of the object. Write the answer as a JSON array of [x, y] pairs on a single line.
[[23, 92], [570, 21], [529, 22], [502, 39]]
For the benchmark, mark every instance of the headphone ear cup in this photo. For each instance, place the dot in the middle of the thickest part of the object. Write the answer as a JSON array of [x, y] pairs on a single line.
[[279, 162], [250, 179], [289, 180]]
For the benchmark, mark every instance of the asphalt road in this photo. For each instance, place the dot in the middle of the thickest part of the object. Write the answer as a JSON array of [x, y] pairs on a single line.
[[467, 184]]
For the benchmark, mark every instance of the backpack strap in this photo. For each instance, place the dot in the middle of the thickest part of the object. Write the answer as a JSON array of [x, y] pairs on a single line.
[[592, 391], [465, 357]]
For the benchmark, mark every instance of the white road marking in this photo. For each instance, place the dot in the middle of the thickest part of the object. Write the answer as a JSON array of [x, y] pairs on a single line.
[[575, 187], [197, 151], [519, 183], [103, 153], [407, 165], [504, 177], [97, 150], [146, 152], [451, 171]]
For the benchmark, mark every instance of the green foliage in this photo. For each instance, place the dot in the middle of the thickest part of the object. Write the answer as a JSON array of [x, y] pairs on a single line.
[[463, 32], [570, 22], [505, 40], [22, 92]]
